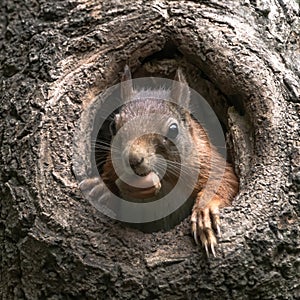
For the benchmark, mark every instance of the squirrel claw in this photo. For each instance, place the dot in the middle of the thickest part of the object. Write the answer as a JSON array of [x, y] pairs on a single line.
[[205, 223], [213, 250], [206, 249], [194, 231], [93, 188], [89, 183], [218, 230]]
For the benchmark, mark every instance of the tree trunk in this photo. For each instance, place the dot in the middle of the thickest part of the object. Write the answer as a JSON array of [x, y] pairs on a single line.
[[57, 56]]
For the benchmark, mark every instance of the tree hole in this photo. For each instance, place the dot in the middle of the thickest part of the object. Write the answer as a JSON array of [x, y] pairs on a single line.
[[164, 64]]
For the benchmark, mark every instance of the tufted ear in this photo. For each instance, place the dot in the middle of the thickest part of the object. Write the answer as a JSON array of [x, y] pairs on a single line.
[[126, 85], [180, 92]]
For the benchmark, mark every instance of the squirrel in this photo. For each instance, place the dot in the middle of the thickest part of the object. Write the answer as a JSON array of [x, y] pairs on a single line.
[[183, 144]]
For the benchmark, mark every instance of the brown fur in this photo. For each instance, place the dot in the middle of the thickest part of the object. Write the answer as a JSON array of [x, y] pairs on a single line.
[[226, 191], [208, 195]]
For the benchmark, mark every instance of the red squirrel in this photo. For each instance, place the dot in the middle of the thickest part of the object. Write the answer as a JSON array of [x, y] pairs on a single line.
[[214, 187]]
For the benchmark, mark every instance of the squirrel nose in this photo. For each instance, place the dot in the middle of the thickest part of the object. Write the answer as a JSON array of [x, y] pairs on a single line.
[[135, 159]]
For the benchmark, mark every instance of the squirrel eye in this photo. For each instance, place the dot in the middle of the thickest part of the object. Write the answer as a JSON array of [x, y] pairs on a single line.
[[173, 131]]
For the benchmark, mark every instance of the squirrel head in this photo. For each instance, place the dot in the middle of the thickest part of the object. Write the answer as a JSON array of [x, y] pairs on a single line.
[[153, 126]]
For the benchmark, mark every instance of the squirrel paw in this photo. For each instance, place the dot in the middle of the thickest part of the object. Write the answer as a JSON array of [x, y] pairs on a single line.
[[94, 188], [205, 223]]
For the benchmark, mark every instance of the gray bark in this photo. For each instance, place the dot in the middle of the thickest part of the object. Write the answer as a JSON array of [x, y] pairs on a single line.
[[56, 56]]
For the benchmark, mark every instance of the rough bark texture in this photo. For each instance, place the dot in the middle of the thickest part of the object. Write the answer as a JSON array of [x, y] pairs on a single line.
[[243, 56]]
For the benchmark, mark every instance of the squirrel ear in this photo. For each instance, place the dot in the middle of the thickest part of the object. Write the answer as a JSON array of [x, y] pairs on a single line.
[[126, 85], [180, 91]]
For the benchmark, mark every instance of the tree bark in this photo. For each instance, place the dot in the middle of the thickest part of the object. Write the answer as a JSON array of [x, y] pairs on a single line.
[[57, 56]]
